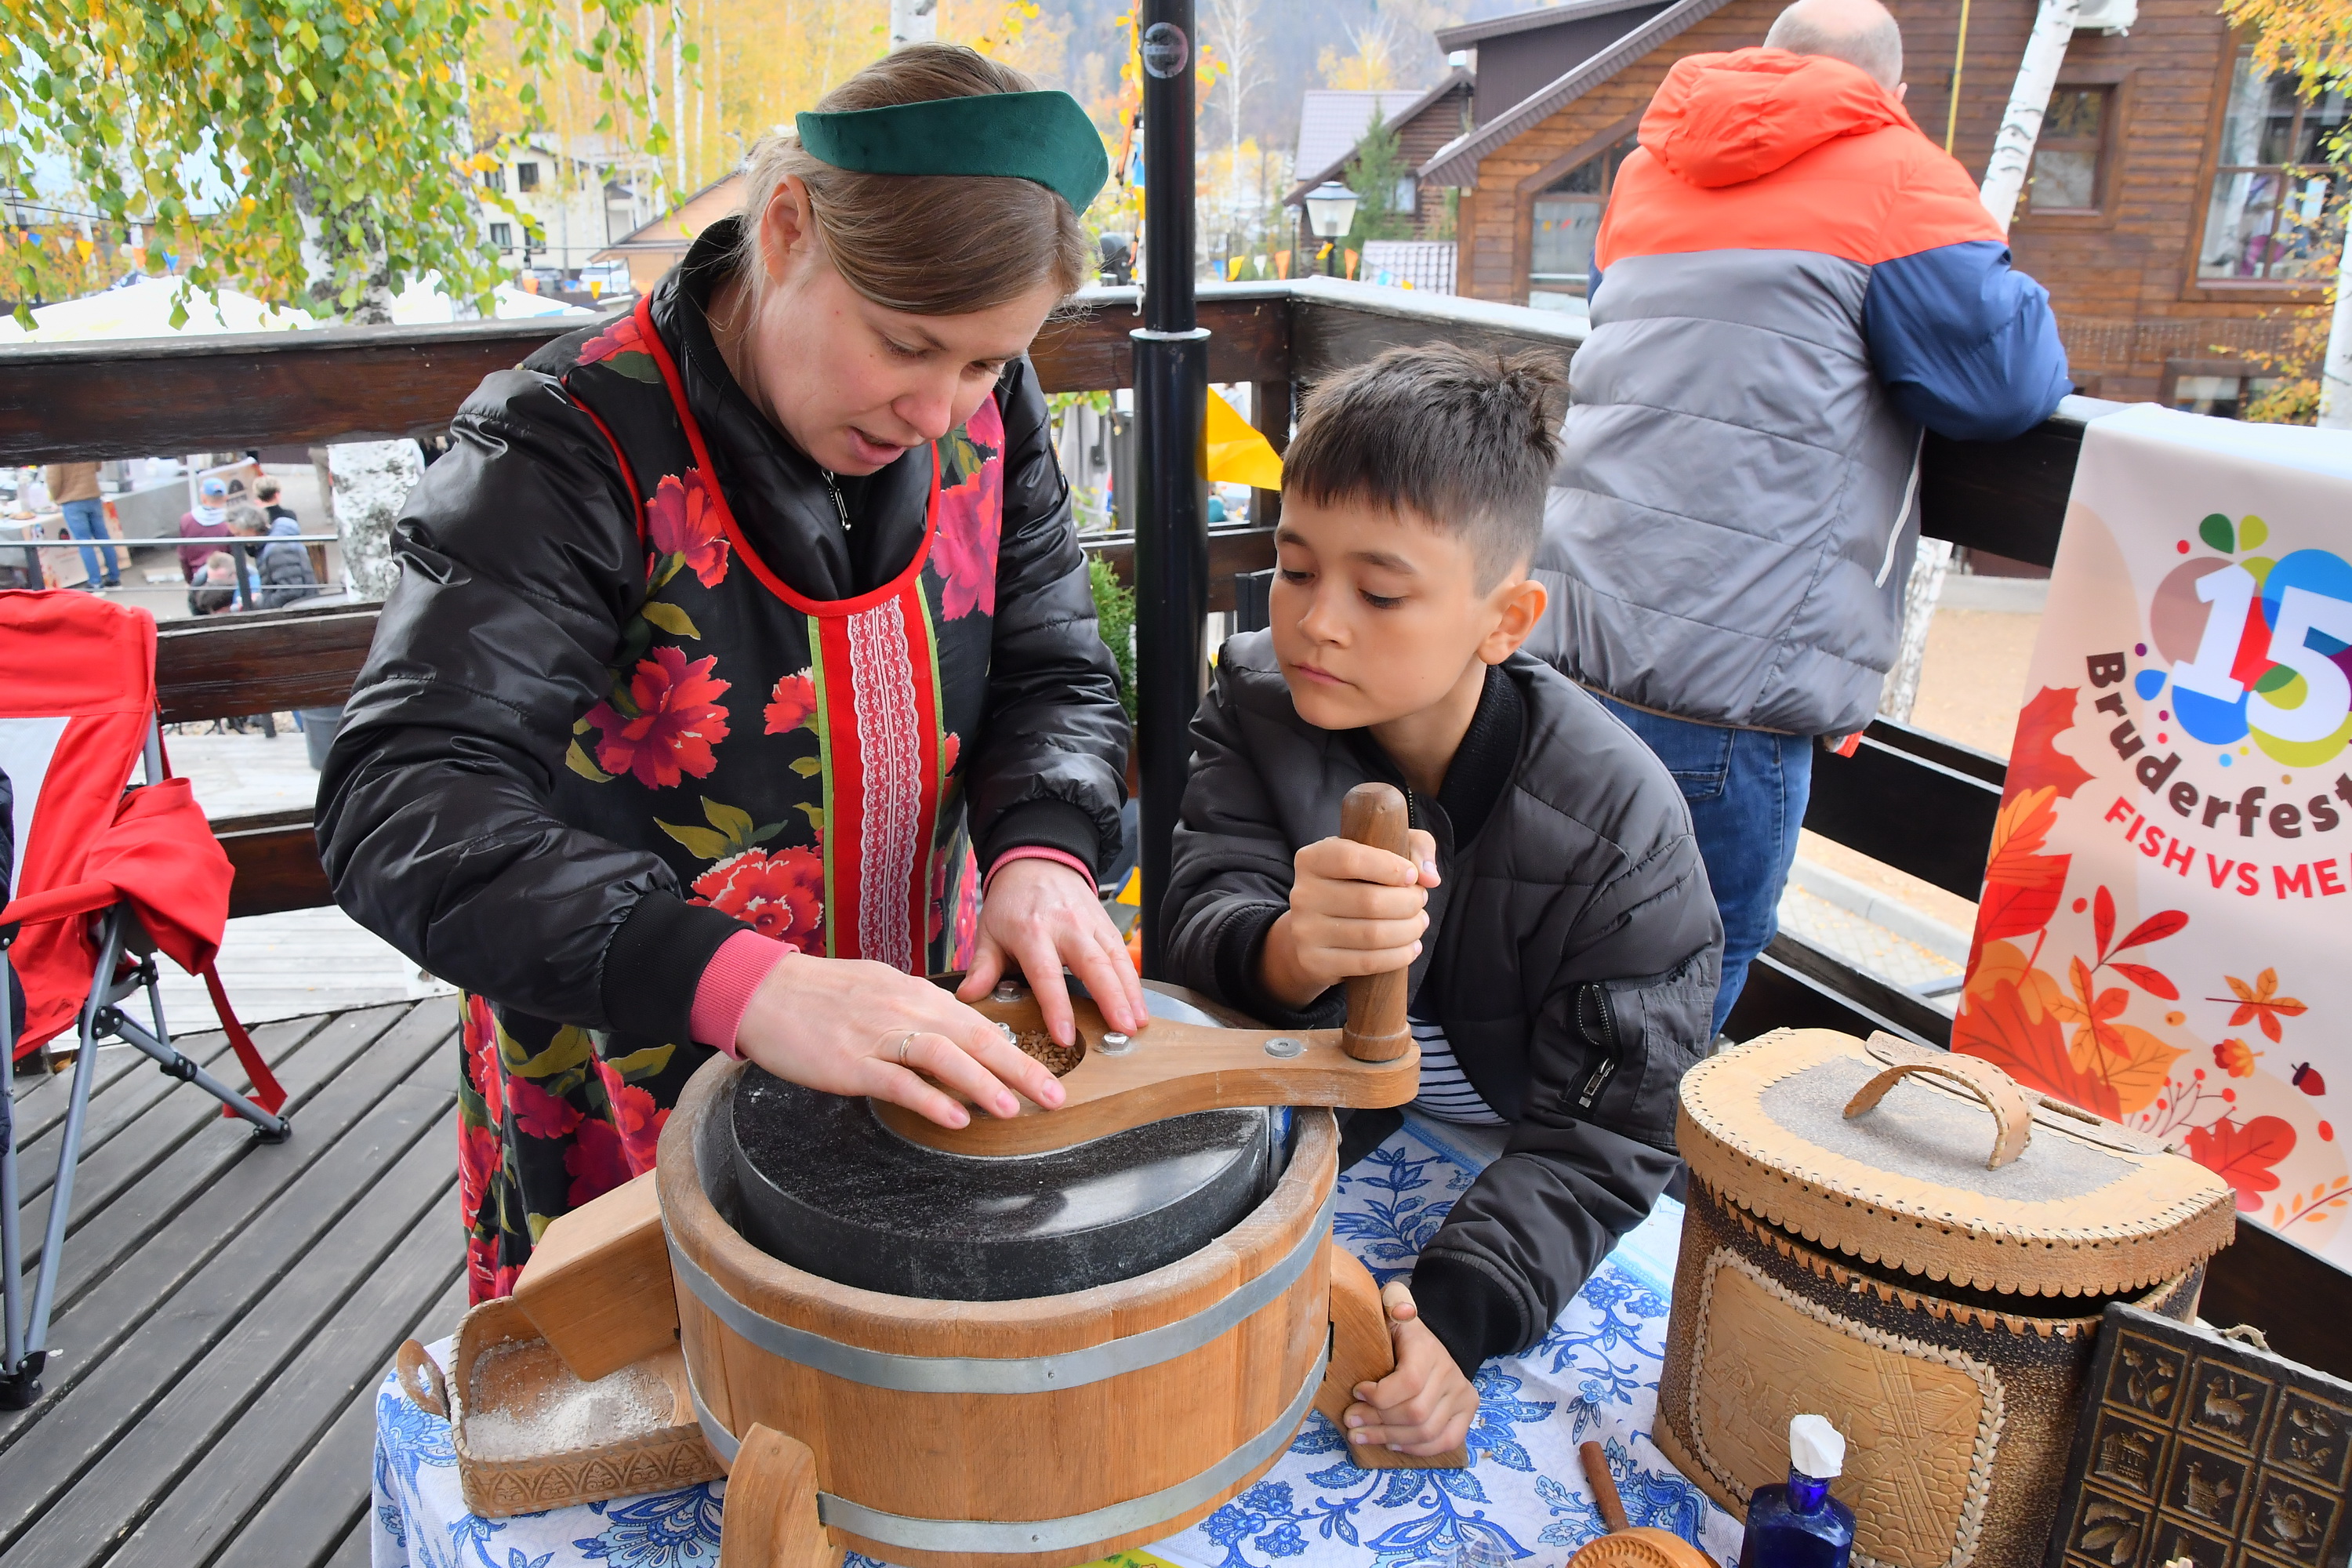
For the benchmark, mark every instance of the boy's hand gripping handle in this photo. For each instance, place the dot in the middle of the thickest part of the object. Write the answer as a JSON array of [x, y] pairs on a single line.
[[1375, 814]]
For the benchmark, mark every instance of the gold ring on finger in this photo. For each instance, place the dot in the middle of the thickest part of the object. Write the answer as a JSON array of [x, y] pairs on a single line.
[[905, 1041]]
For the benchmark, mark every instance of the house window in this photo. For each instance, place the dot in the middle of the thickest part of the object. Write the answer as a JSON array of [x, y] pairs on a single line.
[[502, 236], [1567, 220], [526, 176], [2070, 155], [1406, 188], [2268, 220], [2223, 396], [496, 179]]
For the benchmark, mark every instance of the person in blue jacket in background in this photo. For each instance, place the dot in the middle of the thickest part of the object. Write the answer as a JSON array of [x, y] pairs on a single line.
[[1790, 286]]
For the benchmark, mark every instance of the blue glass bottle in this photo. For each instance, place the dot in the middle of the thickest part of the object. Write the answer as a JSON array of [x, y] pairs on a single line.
[[1800, 1525]]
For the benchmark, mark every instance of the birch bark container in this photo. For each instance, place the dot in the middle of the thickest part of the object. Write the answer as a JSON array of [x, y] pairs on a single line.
[[1904, 1241]]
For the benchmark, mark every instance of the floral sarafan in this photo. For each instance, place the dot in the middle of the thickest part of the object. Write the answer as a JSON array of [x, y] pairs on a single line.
[[779, 895], [791, 704], [971, 521], [682, 521], [677, 722]]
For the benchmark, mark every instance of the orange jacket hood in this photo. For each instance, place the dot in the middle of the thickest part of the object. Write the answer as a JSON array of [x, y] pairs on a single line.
[[1725, 119]]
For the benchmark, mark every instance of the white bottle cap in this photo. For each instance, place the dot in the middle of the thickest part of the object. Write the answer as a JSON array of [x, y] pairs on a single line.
[[1816, 1449]]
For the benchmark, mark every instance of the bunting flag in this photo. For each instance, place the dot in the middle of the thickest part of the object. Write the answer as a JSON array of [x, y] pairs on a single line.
[[1233, 269], [1282, 263], [1235, 454]]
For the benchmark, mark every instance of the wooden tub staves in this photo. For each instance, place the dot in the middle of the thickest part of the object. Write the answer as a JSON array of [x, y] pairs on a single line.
[[1005, 1434], [1848, 1250]]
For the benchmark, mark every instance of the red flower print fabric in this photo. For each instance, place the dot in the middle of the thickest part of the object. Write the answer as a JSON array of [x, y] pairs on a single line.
[[620, 347], [677, 722], [972, 521], [791, 704], [779, 895], [682, 521]]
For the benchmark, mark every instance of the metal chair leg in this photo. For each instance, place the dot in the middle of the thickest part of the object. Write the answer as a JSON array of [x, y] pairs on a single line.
[[53, 1238], [19, 1386]]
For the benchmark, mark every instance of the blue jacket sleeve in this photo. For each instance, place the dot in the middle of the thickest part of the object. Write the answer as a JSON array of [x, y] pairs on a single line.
[[1964, 342]]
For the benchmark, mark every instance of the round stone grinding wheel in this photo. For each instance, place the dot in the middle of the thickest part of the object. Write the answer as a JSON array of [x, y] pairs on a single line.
[[826, 1187]]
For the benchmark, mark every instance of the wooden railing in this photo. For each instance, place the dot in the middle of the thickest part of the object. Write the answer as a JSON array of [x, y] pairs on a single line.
[[113, 399], [1916, 801]]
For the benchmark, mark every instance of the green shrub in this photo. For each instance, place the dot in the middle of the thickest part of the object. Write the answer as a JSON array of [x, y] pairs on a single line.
[[1115, 618]]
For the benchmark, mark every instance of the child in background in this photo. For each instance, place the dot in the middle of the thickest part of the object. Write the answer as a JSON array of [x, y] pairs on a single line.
[[1562, 943]]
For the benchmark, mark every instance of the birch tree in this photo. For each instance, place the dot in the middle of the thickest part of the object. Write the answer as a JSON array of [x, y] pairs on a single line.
[[2029, 100], [2006, 173], [2311, 41]]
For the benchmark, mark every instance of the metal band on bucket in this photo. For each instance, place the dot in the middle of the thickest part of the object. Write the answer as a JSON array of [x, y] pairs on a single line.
[[1005, 1374], [1066, 1533]]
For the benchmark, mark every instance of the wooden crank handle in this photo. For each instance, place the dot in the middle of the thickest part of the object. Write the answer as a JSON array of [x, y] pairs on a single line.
[[1604, 1486], [1362, 1350], [769, 1517], [421, 1380], [2012, 1116], [1375, 814]]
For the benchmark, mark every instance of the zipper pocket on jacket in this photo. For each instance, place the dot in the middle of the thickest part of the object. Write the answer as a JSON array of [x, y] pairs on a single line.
[[1597, 1022]]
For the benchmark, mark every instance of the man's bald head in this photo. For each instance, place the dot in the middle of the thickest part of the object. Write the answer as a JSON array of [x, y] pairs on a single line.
[[1863, 33]]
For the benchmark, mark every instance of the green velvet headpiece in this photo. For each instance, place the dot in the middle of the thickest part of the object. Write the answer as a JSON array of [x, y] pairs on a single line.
[[1043, 137]]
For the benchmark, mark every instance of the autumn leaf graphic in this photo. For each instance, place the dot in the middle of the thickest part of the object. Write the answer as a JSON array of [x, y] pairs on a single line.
[[2023, 886], [2244, 1155], [2009, 1016], [2234, 1057], [2034, 762], [2260, 1005]]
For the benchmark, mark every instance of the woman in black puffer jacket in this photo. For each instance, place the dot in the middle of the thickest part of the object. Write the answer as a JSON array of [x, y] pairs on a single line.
[[736, 641]]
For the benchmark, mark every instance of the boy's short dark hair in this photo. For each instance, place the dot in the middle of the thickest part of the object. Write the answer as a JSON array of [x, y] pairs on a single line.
[[1465, 440]]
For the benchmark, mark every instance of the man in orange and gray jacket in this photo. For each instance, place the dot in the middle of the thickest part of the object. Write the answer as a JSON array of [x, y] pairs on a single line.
[[1790, 284]]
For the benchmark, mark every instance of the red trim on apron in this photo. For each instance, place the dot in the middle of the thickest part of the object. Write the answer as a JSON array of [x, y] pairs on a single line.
[[881, 726], [912, 577]]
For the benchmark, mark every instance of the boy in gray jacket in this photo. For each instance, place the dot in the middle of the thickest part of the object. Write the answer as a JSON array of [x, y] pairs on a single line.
[[1553, 909]]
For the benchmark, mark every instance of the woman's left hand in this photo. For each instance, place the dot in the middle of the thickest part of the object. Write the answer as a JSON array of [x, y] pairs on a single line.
[[1041, 915]]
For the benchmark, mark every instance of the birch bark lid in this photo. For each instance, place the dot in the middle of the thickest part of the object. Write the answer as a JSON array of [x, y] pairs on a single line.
[[2086, 1207]]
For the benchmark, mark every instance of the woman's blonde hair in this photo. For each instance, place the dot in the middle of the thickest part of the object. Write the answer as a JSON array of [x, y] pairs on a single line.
[[933, 245]]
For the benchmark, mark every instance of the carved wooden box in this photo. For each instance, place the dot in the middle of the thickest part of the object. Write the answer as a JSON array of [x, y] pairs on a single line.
[[2194, 1446], [1850, 1251]]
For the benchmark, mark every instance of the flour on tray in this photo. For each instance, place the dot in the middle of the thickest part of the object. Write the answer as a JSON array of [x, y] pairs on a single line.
[[525, 1403]]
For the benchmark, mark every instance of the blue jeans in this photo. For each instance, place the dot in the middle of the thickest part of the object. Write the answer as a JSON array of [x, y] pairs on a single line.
[[1747, 791], [87, 520]]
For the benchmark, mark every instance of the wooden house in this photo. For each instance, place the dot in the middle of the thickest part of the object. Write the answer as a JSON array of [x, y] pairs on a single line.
[[2174, 213]]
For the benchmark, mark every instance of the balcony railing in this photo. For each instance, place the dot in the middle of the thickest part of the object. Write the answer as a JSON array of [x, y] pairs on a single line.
[[1920, 803]]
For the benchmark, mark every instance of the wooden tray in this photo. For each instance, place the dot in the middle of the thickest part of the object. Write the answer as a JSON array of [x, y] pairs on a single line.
[[664, 1459]]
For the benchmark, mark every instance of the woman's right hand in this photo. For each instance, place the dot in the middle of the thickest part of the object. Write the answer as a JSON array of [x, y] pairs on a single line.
[[838, 1024]]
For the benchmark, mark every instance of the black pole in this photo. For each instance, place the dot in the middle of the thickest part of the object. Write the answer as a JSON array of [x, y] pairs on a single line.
[[1171, 519]]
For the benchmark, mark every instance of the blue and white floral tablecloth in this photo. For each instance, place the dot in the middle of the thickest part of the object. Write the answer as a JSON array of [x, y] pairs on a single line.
[[1595, 1376]]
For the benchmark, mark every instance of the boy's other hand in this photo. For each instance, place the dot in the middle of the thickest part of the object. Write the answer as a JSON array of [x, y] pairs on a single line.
[[1354, 910], [1425, 1406]]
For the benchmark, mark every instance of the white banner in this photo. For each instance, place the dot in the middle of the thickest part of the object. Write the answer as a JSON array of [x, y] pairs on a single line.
[[2166, 932]]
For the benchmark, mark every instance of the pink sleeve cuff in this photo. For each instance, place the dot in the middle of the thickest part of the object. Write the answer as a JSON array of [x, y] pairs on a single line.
[[1039, 852], [734, 972]]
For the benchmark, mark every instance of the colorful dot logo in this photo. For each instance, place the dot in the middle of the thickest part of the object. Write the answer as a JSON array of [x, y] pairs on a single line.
[[2254, 648]]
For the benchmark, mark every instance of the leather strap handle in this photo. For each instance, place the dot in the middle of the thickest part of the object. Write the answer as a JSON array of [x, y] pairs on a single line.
[[1376, 1031], [2012, 1116], [421, 1380]]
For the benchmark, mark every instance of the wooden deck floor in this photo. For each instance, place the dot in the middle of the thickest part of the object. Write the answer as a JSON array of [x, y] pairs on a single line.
[[226, 1307]]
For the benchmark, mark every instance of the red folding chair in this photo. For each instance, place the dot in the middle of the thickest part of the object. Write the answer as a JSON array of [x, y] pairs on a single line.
[[102, 874]]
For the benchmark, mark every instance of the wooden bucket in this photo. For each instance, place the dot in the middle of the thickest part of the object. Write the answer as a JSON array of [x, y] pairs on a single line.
[[1848, 1250], [1005, 1434]]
